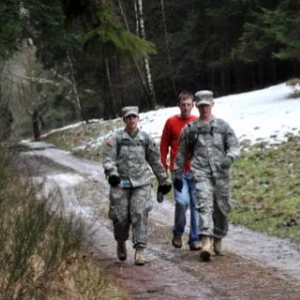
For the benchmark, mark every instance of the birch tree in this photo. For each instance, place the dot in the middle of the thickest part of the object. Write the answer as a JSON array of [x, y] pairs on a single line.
[[138, 69], [140, 31]]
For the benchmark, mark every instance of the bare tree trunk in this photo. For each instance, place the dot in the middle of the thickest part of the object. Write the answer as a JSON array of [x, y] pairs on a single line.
[[78, 107], [143, 82], [141, 31], [162, 5], [109, 102]]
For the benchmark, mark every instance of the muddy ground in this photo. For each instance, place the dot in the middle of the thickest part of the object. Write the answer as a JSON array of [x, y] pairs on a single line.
[[256, 266]]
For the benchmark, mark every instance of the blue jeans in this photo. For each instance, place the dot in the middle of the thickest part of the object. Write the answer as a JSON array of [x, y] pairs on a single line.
[[183, 200]]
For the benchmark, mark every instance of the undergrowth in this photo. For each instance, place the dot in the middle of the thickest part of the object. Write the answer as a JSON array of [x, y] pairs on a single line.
[[41, 253]]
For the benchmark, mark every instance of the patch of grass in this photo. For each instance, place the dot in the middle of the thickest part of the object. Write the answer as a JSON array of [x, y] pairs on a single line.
[[295, 94], [266, 189], [294, 83], [94, 282]]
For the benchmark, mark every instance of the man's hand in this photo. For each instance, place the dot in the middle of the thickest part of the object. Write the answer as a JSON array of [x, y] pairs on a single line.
[[178, 184], [114, 180], [226, 163], [165, 188]]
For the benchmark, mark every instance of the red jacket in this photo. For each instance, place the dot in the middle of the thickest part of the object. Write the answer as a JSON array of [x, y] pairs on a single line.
[[170, 139]]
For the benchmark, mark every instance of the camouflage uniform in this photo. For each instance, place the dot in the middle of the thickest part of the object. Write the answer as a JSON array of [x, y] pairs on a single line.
[[207, 144], [130, 157]]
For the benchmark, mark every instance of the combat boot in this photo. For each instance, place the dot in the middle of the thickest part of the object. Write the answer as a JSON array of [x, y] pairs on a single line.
[[121, 250], [218, 249], [206, 248], [139, 258]]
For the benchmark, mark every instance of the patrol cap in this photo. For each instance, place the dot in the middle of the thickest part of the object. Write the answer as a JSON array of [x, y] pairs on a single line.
[[130, 110], [204, 97]]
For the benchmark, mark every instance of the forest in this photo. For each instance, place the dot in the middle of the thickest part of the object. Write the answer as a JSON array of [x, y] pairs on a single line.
[[64, 61]]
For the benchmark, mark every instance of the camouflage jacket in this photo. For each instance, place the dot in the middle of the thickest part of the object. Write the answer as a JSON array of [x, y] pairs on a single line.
[[206, 144], [132, 157]]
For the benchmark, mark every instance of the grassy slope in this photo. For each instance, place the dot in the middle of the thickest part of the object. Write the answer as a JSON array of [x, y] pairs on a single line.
[[266, 189]]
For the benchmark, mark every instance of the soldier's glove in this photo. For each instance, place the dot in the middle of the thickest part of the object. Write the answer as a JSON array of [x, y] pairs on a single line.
[[159, 197], [226, 163], [178, 184], [114, 180], [165, 188]]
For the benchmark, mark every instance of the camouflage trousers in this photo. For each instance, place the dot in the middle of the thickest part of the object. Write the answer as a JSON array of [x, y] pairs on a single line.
[[213, 204], [129, 208]]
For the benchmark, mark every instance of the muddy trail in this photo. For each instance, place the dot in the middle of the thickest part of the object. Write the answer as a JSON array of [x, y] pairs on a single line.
[[256, 266]]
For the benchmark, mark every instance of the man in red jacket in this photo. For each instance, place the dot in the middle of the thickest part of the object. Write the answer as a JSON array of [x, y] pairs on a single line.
[[186, 196]]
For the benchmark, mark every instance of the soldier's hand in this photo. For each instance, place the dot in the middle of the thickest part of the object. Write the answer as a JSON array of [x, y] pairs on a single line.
[[165, 188], [178, 184], [114, 180], [226, 163]]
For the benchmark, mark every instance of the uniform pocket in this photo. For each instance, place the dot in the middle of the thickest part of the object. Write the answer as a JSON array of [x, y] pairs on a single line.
[[223, 194], [149, 201], [112, 213], [115, 197], [223, 186], [224, 204]]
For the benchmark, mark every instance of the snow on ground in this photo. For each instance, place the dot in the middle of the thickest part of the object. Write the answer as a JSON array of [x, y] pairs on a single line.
[[266, 114], [263, 115]]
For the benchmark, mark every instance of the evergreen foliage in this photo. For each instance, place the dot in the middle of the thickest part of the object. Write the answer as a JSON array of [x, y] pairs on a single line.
[[95, 50], [47, 30], [10, 28], [284, 23], [106, 37]]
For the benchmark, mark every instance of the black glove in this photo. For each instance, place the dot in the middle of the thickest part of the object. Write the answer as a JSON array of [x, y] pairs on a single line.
[[226, 163], [165, 188], [159, 197], [178, 184], [114, 180]]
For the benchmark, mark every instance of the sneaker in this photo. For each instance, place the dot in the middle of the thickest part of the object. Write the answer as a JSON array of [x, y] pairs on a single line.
[[139, 257], [121, 250], [176, 241], [195, 246]]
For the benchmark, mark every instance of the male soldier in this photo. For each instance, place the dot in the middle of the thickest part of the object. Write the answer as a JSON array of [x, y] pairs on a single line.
[[213, 147], [186, 196], [127, 155]]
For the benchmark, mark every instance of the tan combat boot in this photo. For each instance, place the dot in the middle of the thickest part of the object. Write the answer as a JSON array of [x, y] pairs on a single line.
[[218, 249], [206, 248], [121, 250], [139, 258]]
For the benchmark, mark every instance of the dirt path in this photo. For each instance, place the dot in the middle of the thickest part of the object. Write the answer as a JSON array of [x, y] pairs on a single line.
[[256, 266]]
